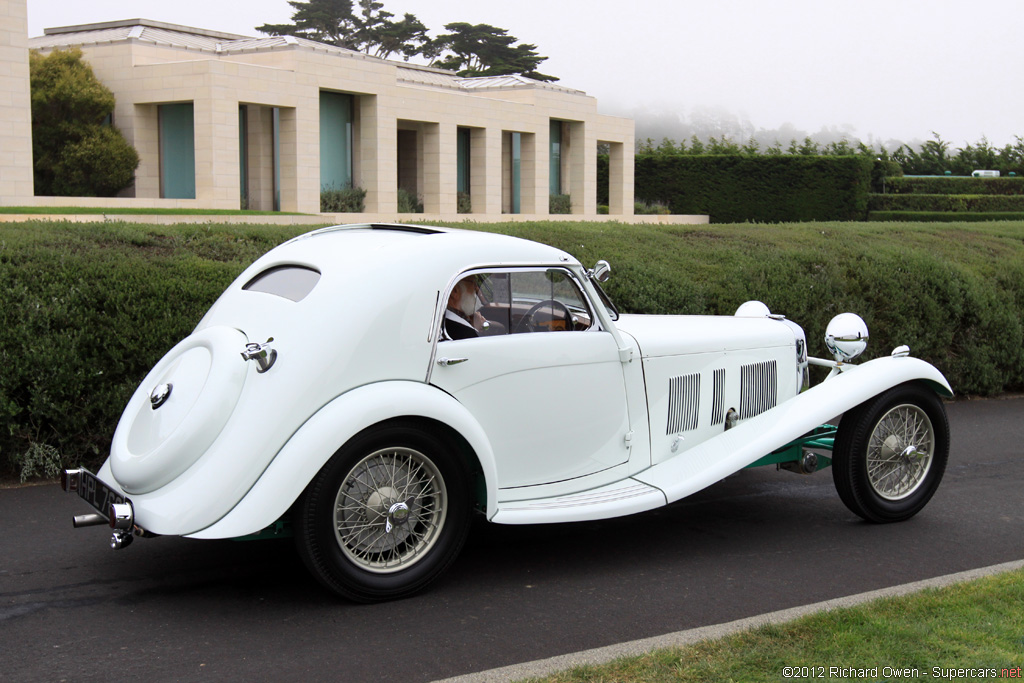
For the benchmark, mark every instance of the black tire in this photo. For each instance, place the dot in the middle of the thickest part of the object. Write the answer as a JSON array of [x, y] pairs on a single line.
[[386, 515], [890, 453]]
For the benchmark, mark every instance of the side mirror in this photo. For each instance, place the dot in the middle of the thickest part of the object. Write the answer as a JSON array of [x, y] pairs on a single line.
[[601, 271]]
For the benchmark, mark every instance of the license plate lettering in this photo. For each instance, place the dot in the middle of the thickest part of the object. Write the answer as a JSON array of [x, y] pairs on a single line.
[[97, 494]]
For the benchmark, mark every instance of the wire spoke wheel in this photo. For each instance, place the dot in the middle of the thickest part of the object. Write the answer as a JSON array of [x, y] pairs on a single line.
[[890, 453], [387, 514], [390, 509], [900, 452]]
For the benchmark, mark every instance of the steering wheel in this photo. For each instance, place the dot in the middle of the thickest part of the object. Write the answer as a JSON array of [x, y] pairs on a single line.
[[527, 323]]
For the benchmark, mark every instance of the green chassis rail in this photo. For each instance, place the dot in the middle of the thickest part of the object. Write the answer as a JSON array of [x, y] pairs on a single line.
[[819, 438]]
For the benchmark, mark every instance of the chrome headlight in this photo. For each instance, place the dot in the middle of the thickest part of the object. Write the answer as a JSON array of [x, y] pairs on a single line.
[[846, 337]]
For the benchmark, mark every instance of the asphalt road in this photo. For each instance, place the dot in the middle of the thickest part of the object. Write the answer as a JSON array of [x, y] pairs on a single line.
[[171, 609]]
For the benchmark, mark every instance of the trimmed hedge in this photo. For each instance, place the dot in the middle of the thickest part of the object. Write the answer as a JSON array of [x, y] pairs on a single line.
[[757, 188], [945, 216], [946, 202], [954, 185], [88, 309]]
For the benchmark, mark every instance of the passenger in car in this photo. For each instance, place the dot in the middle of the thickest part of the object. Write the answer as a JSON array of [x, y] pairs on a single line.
[[462, 318]]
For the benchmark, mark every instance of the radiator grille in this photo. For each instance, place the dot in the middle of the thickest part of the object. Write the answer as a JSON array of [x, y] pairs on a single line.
[[683, 403], [759, 388]]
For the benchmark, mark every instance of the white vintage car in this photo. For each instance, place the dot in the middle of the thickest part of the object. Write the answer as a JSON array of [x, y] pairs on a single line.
[[369, 387]]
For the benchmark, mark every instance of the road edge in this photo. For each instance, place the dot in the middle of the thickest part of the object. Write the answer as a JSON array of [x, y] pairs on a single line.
[[602, 655]]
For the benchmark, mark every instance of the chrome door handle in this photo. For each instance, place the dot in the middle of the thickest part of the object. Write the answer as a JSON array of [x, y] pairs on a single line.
[[451, 361]]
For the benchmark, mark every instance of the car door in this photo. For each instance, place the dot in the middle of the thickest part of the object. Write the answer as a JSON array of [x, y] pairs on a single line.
[[540, 376]]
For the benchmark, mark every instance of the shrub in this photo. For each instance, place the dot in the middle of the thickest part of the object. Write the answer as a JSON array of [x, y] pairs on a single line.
[[946, 202], [954, 185], [560, 204], [343, 200], [409, 202], [737, 188], [74, 152], [465, 203], [945, 216], [642, 208]]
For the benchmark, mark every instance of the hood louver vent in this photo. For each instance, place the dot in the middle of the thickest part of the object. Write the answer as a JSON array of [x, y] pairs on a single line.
[[759, 388], [683, 403]]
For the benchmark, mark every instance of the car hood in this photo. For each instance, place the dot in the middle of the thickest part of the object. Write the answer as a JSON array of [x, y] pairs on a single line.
[[673, 335]]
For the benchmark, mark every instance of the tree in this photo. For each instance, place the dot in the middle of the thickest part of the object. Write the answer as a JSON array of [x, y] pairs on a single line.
[[485, 50], [75, 150], [371, 29], [325, 21]]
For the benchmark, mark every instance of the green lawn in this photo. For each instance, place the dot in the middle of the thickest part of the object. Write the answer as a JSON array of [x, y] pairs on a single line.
[[938, 634]]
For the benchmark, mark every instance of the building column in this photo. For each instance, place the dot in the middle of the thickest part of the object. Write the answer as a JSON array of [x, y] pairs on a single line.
[[529, 184], [378, 155], [440, 168], [216, 150], [582, 164], [620, 180], [485, 172], [16, 183]]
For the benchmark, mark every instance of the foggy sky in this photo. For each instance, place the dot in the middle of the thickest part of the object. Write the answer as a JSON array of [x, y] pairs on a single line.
[[873, 69]]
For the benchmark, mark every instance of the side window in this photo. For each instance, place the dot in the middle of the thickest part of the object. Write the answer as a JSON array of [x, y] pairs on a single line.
[[516, 301]]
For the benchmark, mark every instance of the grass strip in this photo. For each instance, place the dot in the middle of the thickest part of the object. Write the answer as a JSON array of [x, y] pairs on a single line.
[[937, 634]]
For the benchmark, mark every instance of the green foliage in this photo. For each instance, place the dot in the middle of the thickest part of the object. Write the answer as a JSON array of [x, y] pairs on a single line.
[[465, 202], [946, 202], [365, 26], [409, 202], [74, 152], [757, 188], [371, 29], [560, 204], [89, 309], [954, 185], [343, 200], [945, 216], [646, 208], [485, 50]]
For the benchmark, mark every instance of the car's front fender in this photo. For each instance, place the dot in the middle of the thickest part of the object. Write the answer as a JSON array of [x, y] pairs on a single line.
[[720, 456], [326, 431]]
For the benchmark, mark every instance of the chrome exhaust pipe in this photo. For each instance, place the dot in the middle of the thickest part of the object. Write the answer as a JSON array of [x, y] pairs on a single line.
[[92, 519]]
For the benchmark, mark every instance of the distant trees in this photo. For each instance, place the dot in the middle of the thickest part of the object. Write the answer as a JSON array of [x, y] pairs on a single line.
[[75, 150], [365, 26], [933, 157], [485, 50]]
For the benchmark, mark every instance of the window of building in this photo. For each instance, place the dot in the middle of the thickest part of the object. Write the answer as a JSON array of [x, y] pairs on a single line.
[[463, 161], [555, 157], [336, 113], [176, 124]]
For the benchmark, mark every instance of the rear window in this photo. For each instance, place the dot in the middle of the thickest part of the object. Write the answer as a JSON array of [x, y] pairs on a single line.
[[290, 282]]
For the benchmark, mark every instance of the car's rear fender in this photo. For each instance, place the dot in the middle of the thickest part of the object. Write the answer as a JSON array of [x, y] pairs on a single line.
[[744, 444], [330, 428]]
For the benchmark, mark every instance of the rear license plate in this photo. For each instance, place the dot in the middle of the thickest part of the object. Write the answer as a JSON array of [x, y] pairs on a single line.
[[96, 493]]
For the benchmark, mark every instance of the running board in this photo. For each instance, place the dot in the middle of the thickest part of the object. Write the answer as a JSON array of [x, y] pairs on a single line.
[[624, 497]]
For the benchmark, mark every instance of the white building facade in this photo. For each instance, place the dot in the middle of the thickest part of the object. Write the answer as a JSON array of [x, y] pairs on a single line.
[[223, 121]]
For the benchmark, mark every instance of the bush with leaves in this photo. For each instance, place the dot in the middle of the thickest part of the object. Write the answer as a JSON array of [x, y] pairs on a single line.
[[342, 200], [74, 152]]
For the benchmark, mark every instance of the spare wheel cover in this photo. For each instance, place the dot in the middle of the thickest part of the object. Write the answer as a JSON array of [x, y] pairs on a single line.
[[195, 388]]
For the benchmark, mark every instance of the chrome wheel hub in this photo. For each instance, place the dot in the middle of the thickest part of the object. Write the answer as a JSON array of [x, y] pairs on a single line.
[[390, 509], [900, 452]]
